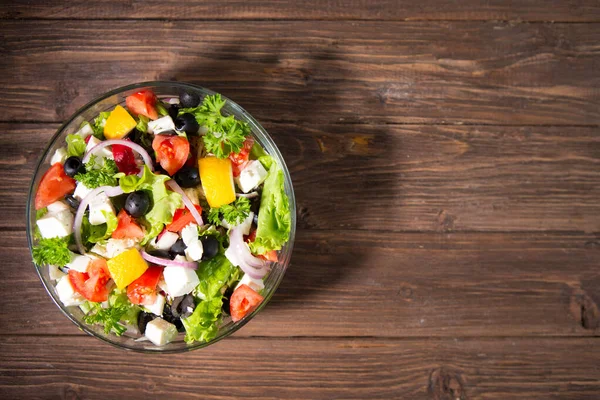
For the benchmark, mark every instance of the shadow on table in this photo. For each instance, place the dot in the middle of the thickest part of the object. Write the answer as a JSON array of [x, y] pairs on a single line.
[[331, 164]]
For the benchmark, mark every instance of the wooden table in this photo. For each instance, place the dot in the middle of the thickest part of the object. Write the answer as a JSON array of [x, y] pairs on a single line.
[[446, 161]]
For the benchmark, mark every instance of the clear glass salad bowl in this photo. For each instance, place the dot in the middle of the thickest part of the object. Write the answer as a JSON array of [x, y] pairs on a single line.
[[107, 102]]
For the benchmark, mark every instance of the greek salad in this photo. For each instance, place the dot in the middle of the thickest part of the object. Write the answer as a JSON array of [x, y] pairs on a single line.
[[161, 216]]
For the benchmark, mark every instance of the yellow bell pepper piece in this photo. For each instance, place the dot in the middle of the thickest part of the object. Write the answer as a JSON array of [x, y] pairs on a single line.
[[118, 124], [217, 180], [126, 267]]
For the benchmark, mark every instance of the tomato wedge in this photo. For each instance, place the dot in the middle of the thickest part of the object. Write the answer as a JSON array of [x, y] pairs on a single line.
[[182, 218], [243, 301], [239, 160], [127, 228], [143, 289], [125, 159], [92, 284], [171, 152], [142, 103], [54, 185]]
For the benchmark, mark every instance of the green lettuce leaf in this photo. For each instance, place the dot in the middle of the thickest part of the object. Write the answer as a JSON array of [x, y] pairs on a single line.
[[203, 325], [164, 202], [274, 217], [97, 233], [75, 145], [213, 275]]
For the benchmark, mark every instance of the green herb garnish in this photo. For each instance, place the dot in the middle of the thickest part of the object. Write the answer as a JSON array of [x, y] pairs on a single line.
[[96, 177], [54, 251]]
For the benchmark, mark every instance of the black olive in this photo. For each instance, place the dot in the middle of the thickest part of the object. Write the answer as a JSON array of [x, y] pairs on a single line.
[[178, 248], [255, 219], [183, 306], [72, 201], [137, 204], [169, 317], [73, 166], [187, 177], [143, 319], [173, 111], [189, 99], [161, 253], [187, 123], [226, 297], [210, 244]]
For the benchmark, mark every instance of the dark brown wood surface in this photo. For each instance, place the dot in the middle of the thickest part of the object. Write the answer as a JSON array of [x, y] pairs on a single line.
[[446, 162]]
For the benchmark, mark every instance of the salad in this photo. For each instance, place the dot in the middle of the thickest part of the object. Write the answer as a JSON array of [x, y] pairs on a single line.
[[161, 216]]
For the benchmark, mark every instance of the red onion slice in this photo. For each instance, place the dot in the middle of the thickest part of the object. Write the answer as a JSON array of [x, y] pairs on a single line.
[[110, 191], [186, 200], [167, 262], [239, 251], [133, 146]]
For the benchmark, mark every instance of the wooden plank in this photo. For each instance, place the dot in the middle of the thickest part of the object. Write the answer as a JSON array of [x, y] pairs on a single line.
[[524, 10], [484, 73], [353, 283], [402, 178], [300, 369]]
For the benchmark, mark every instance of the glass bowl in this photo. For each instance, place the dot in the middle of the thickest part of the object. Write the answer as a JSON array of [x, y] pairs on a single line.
[[107, 102]]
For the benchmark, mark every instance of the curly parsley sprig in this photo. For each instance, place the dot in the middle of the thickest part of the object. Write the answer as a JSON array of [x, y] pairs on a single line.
[[233, 213], [54, 251], [96, 177]]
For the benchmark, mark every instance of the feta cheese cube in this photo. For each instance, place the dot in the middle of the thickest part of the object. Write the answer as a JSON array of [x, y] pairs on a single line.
[[85, 131], [54, 273], [79, 263], [81, 191], [163, 124], [60, 155], [251, 176], [180, 280], [57, 207], [160, 332], [157, 307], [189, 234], [56, 224], [101, 203], [165, 242], [115, 247], [255, 284], [105, 152], [194, 251], [67, 295]]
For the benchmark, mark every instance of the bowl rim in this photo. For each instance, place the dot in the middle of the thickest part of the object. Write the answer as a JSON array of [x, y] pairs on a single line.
[[257, 131]]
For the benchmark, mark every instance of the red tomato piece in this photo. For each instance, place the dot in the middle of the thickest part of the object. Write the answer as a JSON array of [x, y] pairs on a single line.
[[239, 160], [270, 255], [143, 289], [54, 185], [127, 228], [125, 159], [92, 284], [171, 152], [243, 301], [142, 103], [182, 218]]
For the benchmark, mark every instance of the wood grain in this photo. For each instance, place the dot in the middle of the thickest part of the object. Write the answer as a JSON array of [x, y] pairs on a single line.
[[349, 283], [524, 10], [367, 72], [402, 178], [300, 369]]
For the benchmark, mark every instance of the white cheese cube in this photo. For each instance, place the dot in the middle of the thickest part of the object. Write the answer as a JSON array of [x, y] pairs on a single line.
[[117, 246], [165, 242], [58, 206], [255, 284], [56, 224], [160, 332], [194, 251], [54, 273], [85, 131], [79, 263], [100, 250], [67, 295], [180, 280], [81, 191], [189, 234], [59, 156], [157, 307], [251, 176], [163, 124], [101, 203], [105, 152]]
